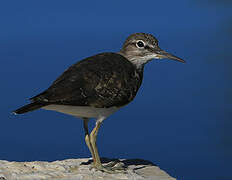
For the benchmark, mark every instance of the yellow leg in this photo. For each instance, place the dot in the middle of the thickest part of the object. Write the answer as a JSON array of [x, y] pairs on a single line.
[[92, 145], [87, 138], [93, 139]]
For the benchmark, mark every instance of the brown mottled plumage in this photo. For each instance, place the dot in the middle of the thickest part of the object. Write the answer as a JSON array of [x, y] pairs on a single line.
[[101, 81]]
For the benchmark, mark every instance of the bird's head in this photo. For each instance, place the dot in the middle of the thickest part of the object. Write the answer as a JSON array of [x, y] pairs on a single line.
[[140, 48]]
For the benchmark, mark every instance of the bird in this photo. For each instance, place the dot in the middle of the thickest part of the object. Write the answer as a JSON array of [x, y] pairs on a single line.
[[99, 85]]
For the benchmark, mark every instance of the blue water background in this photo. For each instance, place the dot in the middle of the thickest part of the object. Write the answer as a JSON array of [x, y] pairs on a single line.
[[181, 117]]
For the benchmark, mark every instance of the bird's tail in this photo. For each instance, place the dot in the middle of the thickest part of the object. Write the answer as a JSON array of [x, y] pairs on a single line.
[[29, 107]]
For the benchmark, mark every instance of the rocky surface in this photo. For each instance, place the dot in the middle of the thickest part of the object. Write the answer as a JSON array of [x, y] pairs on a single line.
[[79, 169]]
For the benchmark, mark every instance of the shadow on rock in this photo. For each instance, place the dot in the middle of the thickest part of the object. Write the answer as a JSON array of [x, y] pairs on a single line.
[[126, 162]]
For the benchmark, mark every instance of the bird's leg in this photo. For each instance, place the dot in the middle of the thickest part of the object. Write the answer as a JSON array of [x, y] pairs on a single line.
[[93, 138], [87, 138], [113, 167]]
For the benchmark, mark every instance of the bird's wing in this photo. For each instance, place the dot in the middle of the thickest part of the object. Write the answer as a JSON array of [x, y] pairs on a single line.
[[103, 80]]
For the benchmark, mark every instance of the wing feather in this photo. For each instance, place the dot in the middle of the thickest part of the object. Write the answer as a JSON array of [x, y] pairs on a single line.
[[103, 80]]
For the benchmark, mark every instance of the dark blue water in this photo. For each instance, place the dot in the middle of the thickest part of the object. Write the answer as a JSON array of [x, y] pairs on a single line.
[[181, 117]]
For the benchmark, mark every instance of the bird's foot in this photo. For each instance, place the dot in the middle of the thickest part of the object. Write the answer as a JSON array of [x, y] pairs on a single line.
[[111, 168]]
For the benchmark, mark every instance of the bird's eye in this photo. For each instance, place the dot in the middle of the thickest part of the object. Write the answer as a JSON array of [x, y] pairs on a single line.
[[140, 44]]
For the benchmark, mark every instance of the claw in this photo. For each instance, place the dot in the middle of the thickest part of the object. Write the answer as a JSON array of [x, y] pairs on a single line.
[[111, 168]]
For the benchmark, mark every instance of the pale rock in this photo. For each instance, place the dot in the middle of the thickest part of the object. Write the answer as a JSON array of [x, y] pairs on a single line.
[[79, 169]]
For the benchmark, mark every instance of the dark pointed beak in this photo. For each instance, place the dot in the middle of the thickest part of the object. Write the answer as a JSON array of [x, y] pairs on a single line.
[[163, 54]]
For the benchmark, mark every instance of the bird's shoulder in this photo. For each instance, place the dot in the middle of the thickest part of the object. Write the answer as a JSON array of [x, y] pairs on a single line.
[[101, 80], [99, 63]]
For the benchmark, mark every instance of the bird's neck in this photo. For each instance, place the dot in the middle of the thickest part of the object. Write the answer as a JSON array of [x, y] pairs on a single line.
[[138, 62]]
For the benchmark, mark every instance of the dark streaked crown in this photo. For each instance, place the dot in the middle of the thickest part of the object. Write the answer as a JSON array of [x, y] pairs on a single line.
[[149, 38]]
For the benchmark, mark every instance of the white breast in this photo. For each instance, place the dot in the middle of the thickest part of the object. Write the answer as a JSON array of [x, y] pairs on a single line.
[[82, 111]]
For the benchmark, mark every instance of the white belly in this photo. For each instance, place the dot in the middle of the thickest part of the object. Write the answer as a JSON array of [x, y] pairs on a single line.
[[82, 111]]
